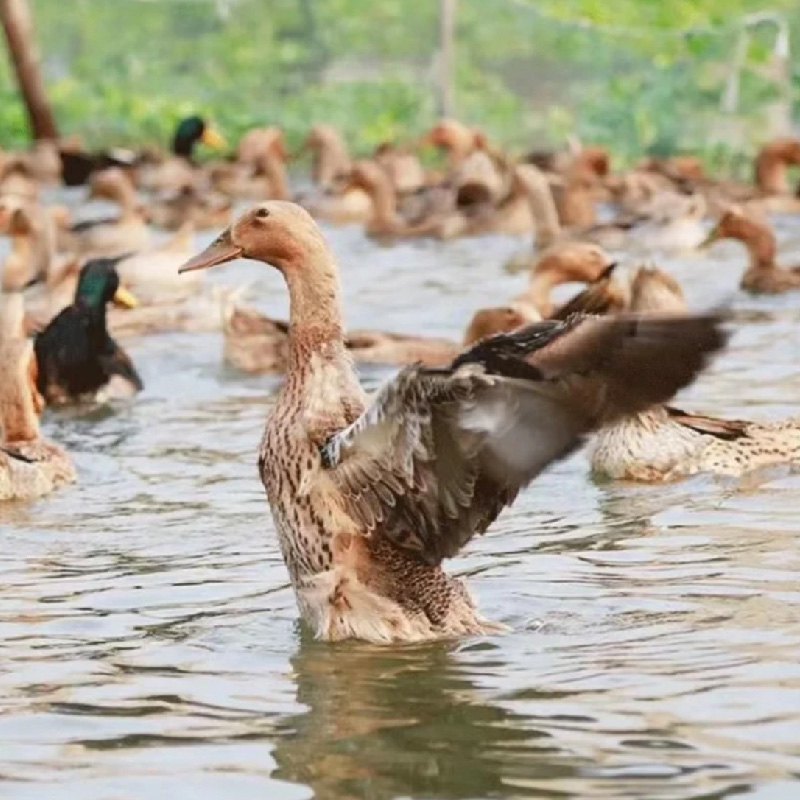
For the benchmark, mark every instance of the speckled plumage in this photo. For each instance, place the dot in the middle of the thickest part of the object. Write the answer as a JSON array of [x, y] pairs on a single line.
[[369, 498], [663, 443]]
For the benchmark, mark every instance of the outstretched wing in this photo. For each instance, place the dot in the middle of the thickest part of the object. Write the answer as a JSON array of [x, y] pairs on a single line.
[[439, 453]]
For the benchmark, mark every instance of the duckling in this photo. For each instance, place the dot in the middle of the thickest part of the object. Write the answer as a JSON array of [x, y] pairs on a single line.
[[763, 275], [664, 443], [178, 171], [112, 236], [30, 466], [76, 355]]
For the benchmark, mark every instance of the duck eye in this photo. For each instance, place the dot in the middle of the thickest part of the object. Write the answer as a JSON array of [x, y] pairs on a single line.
[[262, 213]]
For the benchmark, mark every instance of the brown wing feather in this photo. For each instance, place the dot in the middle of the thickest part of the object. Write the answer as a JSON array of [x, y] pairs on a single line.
[[439, 453], [727, 429]]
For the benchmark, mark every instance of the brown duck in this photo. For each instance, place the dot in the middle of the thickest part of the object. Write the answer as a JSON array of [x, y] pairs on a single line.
[[364, 507]]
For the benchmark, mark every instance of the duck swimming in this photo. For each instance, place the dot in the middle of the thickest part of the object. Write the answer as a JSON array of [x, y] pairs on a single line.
[[763, 275], [77, 357], [364, 507], [664, 443], [30, 466]]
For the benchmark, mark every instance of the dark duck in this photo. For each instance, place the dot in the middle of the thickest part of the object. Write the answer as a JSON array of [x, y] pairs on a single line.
[[77, 358]]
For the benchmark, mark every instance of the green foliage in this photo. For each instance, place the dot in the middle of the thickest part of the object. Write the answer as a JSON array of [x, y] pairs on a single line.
[[637, 76]]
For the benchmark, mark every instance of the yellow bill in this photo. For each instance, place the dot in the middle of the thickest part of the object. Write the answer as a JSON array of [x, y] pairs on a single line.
[[125, 299], [213, 138]]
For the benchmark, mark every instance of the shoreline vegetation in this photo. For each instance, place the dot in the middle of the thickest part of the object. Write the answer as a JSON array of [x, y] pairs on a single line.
[[638, 78]]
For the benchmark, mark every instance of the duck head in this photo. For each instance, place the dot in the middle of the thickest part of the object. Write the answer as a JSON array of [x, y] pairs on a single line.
[[656, 291], [192, 130], [275, 232], [99, 284]]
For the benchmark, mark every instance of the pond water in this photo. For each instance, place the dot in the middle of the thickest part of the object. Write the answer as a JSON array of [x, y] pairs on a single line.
[[149, 644]]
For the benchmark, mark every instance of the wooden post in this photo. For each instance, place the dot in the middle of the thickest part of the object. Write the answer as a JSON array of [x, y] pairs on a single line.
[[15, 16], [447, 24]]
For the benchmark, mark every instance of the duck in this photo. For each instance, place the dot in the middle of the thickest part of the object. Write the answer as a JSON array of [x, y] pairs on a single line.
[[30, 465], [330, 158], [78, 165], [259, 171], [178, 171], [32, 230], [580, 262], [601, 296], [257, 344], [77, 358], [763, 275], [189, 206], [111, 236], [364, 511], [663, 443]]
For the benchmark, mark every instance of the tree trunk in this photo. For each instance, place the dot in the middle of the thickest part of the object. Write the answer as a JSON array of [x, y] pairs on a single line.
[[18, 27], [447, 23]]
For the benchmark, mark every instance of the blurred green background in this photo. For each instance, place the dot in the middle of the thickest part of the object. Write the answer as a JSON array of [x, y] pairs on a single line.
[[642, 76]]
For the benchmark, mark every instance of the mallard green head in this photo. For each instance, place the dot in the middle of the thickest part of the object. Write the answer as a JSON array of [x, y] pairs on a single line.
[[192, 130], [98, 285]]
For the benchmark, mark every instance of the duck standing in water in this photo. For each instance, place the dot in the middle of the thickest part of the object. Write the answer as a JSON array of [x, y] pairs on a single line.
[[77, 357], [369, 497]]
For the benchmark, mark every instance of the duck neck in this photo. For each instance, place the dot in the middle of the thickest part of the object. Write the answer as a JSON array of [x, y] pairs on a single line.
[[761, 246], [17, 271], [771, 174], [19, 419], [315, 317], [539, 288], [275, 170], [384, 203], [544, 212]]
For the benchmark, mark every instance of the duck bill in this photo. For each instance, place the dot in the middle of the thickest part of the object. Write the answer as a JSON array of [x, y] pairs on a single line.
[[220, 251], [213, 138], [125, 299]]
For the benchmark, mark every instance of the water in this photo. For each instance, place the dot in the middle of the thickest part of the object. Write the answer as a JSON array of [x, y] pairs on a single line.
[[150, 644]]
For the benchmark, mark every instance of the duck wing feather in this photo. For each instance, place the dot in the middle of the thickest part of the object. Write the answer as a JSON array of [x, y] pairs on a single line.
[[439, 453]]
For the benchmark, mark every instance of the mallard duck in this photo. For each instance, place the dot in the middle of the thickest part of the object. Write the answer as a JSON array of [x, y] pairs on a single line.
[[112, 236], [77, 357], [364, 510], [30, 466], [174, 173], [78, 165], [763, 275], [663, 443]]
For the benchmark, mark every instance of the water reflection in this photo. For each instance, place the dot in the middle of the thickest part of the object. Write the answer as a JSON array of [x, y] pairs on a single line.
[[383, 723]]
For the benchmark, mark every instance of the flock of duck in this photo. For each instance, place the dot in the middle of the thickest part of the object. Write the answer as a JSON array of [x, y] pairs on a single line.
[[370, 495]]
